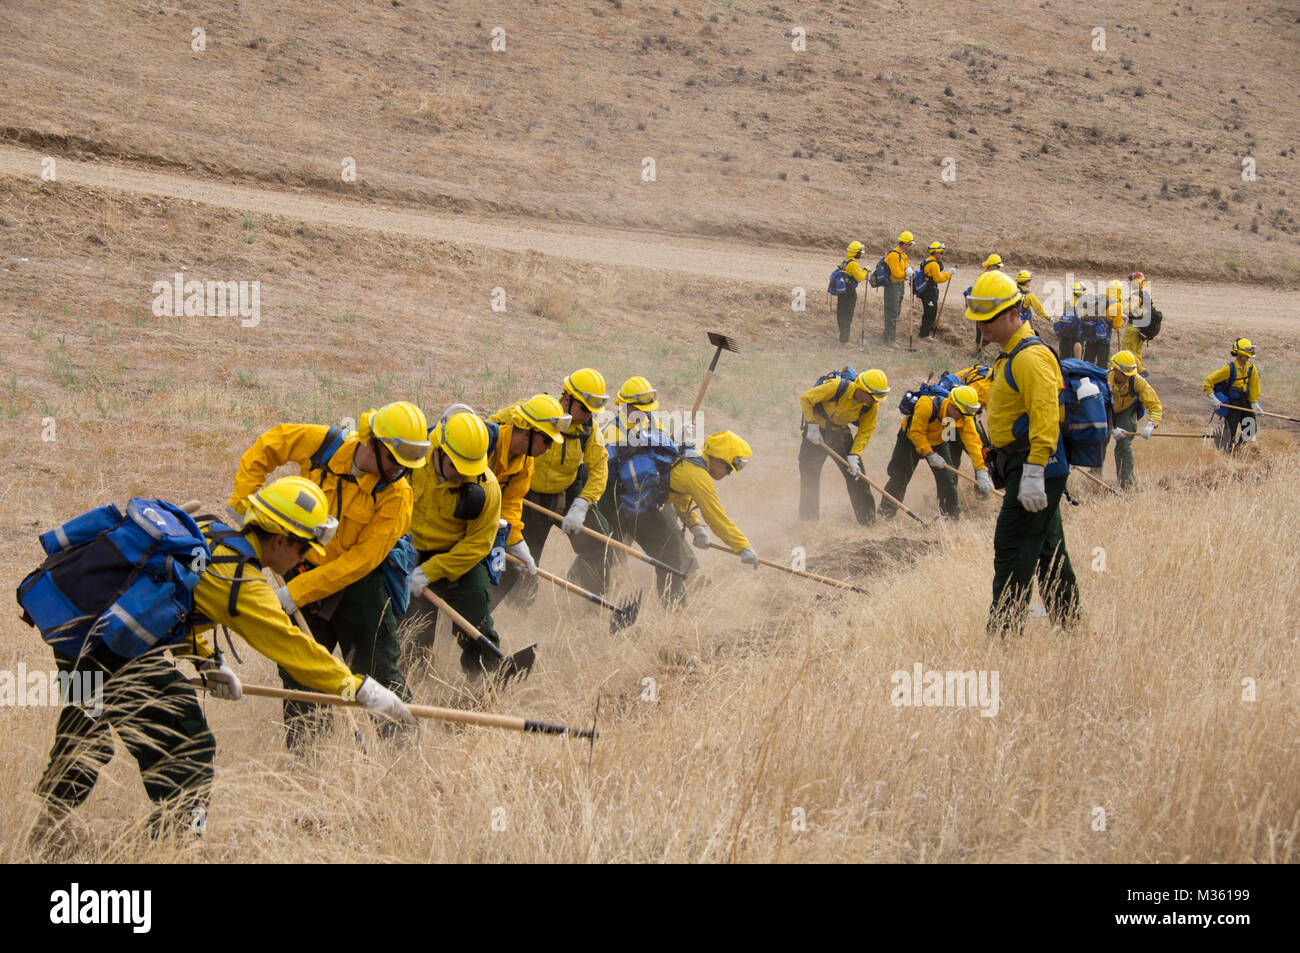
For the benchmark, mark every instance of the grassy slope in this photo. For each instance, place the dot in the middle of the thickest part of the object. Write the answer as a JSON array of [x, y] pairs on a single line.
[[1063, 155]]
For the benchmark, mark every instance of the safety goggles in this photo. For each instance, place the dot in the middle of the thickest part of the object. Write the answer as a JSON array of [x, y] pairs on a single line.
[[645, 397], [592, 402], [989, 308], [561, 423], [405, 450], [737, 463]]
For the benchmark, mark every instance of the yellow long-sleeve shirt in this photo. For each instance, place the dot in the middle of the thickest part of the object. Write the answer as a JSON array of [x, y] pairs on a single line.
[[1124, 390], [821, 408], [1115, 308], [1246, 379], [259, 618], [1033, 304], [556, 469], [370, 522], [853, 268], [461, 543], [926, 434], [934, 271], [693, 495], [1039, 380], [896, 259], [514, 473]]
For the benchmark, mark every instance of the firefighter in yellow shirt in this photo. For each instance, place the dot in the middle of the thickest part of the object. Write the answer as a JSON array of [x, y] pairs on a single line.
[[645, 517], [156, 712], [830, 408], [1236, 384], [1107, 317], [1030, 306], [992, 263], [935, 424], [848, 301], [932, 268], [344, 593], [1139, 318], [1029, 458], [517, 435], [1131, 398], [569, 478], [900, 273], [980, 377], [455, 526]]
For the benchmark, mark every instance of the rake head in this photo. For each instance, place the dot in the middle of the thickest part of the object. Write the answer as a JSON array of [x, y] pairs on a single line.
[[517, 665], [625, 614], [724, 342]]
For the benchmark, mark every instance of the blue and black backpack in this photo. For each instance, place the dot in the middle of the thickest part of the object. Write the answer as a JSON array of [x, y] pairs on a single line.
[[124, 581], [921, 282], [1067, 325], [641, 470], [1230, 391], [841, 281], [937, 389], [880, 275], [1089, 416]]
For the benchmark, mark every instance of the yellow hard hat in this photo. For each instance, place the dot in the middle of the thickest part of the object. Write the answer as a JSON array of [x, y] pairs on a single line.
[[905, 238], [967, 401], [1024, 276], [873, 382], [587, 385], [637, 392], [854, 250], [1125, 363], [463, 437], [936, 247], [728, 447], [992, 293], [543, 413], [1243, 347], [402, 428], [294, 506], [1079, 289], [993, 261]]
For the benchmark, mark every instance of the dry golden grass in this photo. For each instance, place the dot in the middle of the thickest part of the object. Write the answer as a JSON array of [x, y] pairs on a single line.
[[774, 695]]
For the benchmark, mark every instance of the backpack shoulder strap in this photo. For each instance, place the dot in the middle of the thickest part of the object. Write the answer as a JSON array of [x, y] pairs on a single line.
[[220, 533], [329, 446], [1031, 340]]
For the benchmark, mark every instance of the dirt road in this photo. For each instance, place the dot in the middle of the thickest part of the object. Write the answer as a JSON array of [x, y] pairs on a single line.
[[1221, 309]]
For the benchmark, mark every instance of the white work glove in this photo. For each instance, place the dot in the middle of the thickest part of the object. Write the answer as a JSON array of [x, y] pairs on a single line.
[[1256, 408], [983, 484], [936, 461], [520, 551], [1214, 401], [1033, 492], [700, 537], [573, 519], [286, 600], [383, 701], [688, 433], [418, 582], [910, 272], [1148, 430], [219, 680], [813, 434], [855, 463], [748, 557]]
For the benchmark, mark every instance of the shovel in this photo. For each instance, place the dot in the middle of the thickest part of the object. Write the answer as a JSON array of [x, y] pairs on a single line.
[[624, 615], [517, 665], [721, 342]]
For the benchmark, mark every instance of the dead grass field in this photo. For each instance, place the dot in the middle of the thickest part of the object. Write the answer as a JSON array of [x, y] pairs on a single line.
[[771, 735], [1131, 154]]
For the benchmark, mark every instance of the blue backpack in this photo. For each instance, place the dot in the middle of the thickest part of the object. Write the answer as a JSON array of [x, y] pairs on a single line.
[[1089, 418], [641, 470], [921, 282], [1230, 392], [880, 275], [841, 281], [126, 582], [1068, 324], [937, 389]]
